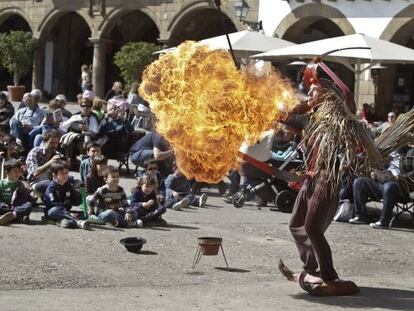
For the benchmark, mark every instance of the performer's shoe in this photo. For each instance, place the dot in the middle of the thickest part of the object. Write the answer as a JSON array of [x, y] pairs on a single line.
[[336, 287], [287, 273], [330, 288]]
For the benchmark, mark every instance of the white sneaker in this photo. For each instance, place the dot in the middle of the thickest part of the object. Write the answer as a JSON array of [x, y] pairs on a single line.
[[139, 223], [181, 204], [64, 223], [83, 224], [202, 200]]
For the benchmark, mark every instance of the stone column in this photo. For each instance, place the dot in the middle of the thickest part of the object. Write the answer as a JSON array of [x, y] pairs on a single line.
[[98, 66], [38, 66]]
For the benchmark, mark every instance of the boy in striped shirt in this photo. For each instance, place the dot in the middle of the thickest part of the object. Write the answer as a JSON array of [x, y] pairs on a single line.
[[110, 202]]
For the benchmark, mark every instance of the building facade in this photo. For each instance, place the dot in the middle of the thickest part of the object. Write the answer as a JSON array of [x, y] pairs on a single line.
[[76, 32], [392, 20]]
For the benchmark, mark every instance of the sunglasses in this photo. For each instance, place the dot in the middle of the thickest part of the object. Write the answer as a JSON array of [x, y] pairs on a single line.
[[151, 168], [86, 106]]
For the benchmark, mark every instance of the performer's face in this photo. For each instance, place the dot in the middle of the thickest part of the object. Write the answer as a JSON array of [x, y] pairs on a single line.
[[314, 94]]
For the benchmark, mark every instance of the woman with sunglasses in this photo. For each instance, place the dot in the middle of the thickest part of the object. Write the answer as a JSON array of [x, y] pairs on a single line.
[[81, 128]]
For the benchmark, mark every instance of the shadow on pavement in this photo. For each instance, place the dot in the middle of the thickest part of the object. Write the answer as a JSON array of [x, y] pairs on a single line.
[[169, 227], [211, 205], [35, 222], [151, 253], [369, 297], [96, 227], [175, 226], [237, 270]]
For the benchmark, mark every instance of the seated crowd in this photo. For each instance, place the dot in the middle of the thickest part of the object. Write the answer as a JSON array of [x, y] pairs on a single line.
[[391, 185], [40, 146]]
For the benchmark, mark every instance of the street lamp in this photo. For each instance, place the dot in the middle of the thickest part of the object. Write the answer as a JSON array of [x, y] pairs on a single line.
[[242, 9]]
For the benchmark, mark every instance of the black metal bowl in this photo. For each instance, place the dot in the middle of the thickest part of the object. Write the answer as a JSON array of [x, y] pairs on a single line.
[[133, 244]]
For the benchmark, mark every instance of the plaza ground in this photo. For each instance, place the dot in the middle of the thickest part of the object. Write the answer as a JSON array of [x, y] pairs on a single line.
[[44, 267]]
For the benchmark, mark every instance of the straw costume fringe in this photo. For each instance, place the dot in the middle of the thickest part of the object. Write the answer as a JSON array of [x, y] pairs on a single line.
[[332, 138]]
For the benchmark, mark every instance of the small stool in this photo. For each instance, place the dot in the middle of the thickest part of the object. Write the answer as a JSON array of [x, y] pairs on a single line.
[[209, 246]]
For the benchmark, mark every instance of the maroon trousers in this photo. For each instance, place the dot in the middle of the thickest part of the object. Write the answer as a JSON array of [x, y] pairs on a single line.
[[311, 216]]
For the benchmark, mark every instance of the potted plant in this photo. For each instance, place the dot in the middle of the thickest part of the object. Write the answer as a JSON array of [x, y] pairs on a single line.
[[133, 58], [17, 50]]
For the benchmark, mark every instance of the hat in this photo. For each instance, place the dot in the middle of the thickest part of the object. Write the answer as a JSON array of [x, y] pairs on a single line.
[[61, 98]]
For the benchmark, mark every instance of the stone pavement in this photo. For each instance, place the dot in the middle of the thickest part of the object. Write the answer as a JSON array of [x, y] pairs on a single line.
[[44, 267]]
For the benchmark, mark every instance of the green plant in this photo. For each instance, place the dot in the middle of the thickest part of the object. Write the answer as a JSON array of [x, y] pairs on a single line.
[[17, 50], [133, 58]]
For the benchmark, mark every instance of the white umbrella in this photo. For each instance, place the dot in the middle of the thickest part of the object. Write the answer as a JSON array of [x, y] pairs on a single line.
[[243, 42], [376, 51], [379, 50]]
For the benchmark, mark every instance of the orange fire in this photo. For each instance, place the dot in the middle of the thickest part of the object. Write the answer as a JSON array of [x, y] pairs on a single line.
[[206, 108]]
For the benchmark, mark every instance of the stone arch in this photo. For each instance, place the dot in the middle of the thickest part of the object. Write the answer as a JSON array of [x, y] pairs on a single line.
[[397, 80], [207, 18], [107, 24], [129, 23], [63, 47], [10, 11], [397, 23], [13, 18], [196, 6], [54, 15], [311, 13]]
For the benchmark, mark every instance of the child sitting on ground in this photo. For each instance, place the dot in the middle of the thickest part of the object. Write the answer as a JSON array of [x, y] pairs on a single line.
[[110, 202], [144, 203], [151, 169], [178, 192], [60, 196], [93, 150], [14, 197], [95, 178]]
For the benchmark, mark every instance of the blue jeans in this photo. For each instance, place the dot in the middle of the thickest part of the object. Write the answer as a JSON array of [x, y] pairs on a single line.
[[149, 214], [194, 200], [22, 210], [41, 186], [17, 130], [36, 134], [38, 140], [390, 192], [140, 157], [59, 213], [111, 215]]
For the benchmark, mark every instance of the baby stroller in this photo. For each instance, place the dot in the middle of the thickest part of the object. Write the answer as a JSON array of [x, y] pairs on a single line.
[[269, 182]]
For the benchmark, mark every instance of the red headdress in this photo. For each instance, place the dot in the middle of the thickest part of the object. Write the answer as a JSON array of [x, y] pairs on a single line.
[[310, 76]]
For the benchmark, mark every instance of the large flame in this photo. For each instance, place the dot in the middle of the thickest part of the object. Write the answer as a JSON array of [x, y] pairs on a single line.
[[206, 108]]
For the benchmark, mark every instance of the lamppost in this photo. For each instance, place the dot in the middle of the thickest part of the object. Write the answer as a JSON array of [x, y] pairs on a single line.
[[242, 8]]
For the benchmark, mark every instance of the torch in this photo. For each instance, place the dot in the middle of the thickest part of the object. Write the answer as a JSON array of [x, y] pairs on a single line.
[[217, 3]]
